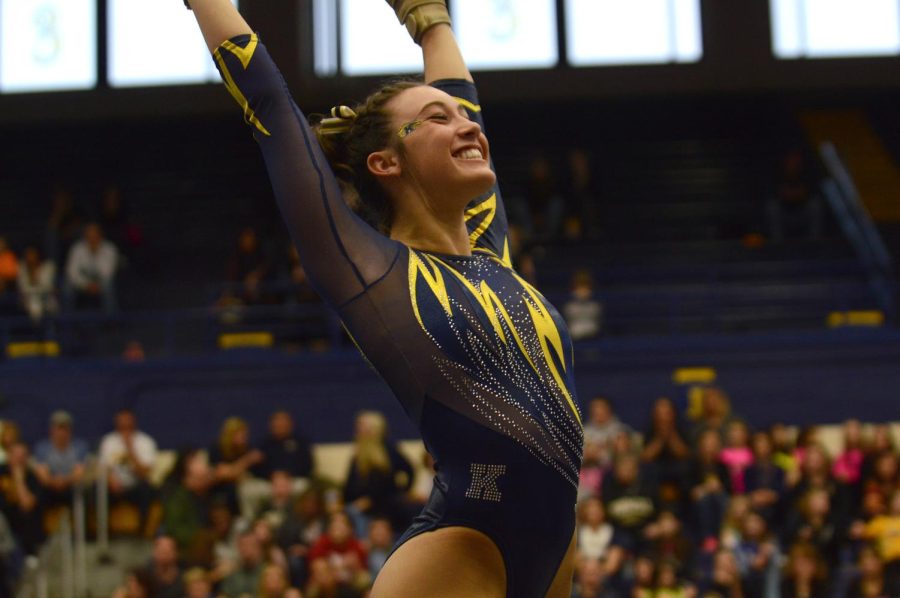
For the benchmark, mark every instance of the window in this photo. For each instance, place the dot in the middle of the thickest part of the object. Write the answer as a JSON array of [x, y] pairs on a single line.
[[835, 28], [155, 43], [493, 34], [619, 32], [47, 45]]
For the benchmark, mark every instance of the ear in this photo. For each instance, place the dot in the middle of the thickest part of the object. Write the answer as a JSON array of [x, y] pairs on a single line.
[[384, 163]]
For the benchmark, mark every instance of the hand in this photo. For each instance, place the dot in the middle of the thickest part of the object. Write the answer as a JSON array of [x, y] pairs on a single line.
[[420, 15]]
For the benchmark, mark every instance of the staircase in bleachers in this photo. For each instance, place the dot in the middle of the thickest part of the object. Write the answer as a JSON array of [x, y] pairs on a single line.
[[681, 228]]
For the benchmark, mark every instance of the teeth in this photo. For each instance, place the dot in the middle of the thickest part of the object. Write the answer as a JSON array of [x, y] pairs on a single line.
[[470, 154]]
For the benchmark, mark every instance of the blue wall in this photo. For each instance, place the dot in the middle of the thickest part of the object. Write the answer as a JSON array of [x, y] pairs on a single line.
[[820, 377]]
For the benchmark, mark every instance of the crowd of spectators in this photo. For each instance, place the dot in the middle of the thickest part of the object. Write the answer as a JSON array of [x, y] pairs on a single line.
[[710, 507], [76, 265], [700, 506]]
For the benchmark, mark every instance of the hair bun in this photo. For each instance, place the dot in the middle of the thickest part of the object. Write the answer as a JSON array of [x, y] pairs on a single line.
[[340, 121]]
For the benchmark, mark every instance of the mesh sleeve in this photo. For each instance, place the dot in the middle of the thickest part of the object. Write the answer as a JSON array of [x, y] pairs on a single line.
[[341, 253]]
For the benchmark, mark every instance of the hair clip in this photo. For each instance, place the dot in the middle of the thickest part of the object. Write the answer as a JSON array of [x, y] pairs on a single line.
[[340, 121], [407, 129]]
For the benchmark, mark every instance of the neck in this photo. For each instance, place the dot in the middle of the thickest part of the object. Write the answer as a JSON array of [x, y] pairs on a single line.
[[433, 234]]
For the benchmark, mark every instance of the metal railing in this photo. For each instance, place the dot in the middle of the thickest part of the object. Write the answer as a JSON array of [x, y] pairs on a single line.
[[843, 197]]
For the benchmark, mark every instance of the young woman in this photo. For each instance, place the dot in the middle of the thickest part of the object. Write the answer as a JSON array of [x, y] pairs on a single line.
[[477, 357]]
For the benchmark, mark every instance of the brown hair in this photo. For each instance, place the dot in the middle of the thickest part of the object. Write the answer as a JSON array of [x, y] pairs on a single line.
[[348, 151]]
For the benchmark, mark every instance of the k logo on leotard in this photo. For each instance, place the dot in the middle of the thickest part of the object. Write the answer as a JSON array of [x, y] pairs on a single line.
[[484, 482]]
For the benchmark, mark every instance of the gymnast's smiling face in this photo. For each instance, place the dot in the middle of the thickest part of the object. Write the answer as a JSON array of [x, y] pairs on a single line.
[[441, 154]]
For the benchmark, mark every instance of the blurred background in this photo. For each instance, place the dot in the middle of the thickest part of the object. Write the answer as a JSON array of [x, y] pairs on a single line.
[[708, 191]]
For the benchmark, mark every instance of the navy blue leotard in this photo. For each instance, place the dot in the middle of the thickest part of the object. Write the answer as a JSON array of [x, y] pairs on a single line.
[[477, 357]]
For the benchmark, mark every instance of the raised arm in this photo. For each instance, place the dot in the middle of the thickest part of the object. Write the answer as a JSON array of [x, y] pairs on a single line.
[[445, 68], [219, 20], [341, 253]]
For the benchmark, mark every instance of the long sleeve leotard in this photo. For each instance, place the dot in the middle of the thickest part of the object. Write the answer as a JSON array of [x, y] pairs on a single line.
[[477, 357]]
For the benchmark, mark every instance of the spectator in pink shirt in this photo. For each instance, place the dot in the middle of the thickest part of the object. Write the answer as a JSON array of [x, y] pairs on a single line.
[[847, 468], [737, 455]]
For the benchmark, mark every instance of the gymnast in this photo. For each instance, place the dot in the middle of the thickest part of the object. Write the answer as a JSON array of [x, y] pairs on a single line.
[[397, 217]]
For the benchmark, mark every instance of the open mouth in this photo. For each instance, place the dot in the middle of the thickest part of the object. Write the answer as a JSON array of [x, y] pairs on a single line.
[[469, 153]]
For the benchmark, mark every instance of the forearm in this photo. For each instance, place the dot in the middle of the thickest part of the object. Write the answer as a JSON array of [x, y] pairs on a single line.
[[442, 56], [219, 20]]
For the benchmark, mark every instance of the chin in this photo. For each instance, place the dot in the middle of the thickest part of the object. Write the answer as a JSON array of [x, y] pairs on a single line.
[[479, 183]]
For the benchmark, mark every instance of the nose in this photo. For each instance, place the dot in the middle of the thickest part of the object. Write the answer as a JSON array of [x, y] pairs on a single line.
[[470, 129]]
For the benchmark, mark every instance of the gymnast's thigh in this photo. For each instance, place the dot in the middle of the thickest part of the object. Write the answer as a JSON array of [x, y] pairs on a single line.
[[562, 582], [451, 562]]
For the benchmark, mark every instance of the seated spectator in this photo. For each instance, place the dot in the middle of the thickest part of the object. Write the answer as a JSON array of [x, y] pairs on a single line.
[[248, 269], [222, 532], [115, 218], [882, 479], [197, 583], [666, 540], [343, 551], [9, 435], [583, 311], [284, 449], [815, 523], [232, 459], [274, 583], [543, 197], [666, 450], [669, 582], [591, 581], [164, 570], [60, 460], [847, 467], [128, 456], [884, 532], [272, 552], [758, 557], [715, 412], [807, 439], [595, 534], [9, 271], [590, 476], [296, 535], [379, 544], [603, 426], [796, 208], [247, 575], [91, 270], [138, 584], [278, 508], [187, 509], [629, 498], [582, 197], [737, 455], [765, 480], [805, 574], [871, 580], [379, 476], [881, 441], [20, 499], [732, 531], [725, 578], [325, 583], [643, 582], [783, 449], [37, 285]]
